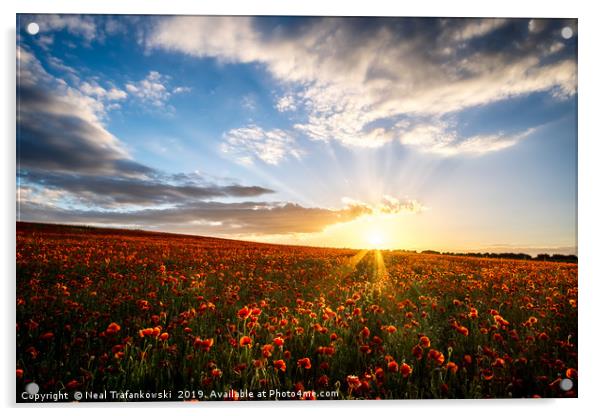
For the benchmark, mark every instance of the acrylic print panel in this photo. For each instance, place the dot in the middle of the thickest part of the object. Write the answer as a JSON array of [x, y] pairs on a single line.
[[263, 208]]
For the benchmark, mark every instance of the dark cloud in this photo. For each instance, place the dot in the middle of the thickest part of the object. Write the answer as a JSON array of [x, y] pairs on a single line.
[[63, 147], [54, 133], [111, 191], [210, 216]]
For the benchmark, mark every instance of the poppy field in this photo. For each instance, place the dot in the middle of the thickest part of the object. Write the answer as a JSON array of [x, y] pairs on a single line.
[[102, 310]]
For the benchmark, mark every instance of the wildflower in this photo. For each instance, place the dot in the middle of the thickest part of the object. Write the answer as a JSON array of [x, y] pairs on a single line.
[[304, 363], [487, 374], [500, 320], [203, 344], [417, 352], [73, 384], [280, 365], [390, 329], [353, 382], [323, 381], [462, 330], [246, 342], [405, 370], [452, 367], [365, 332], [266, 350], [244, 313], [46, 336], [436, 356], [113, 328]]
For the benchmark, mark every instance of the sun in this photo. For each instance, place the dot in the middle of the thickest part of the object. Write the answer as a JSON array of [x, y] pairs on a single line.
[[375, 238]]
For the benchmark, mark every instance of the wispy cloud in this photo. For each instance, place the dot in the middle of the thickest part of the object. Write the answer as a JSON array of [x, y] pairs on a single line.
[[131, 192], [251, 143], [232, 218], [439, 137], [388, 205], [349, 76], [152, 89], [75, 24]]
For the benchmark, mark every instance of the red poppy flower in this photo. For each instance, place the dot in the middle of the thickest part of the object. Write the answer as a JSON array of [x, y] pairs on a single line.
[[280, 365], [73, 384], [487, 374], [46, 336], [304, 363], [452, 367], [417, 352], [203, 344], [365, 349], [113, 328], [405, 370], [390, 329], [244, 313], [424, 342], [323, 381], [267, 350], [436, 356], [462, 330], [246, 342], [365, 332], [499, 362], [353, 382]]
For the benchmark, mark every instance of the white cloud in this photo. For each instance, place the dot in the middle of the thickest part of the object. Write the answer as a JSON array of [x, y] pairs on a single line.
[[388, 205], [286, 103], [474, 28], [248, 102], [75, 24], [93, 89], [349, 81], [154, 89], [250, 143], [151, 89], [441, 138], [181, 90]]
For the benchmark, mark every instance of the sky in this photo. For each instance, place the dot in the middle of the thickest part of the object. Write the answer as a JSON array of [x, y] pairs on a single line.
[[393, 133]]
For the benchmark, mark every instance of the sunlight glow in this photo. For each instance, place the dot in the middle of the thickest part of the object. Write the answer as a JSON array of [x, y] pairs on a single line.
[[375, 238]]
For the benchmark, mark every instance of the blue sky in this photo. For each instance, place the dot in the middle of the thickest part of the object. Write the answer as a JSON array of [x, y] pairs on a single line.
[[450, 134]]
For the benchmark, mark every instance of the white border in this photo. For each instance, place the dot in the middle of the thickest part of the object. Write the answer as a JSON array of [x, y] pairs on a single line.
[[589, 195]]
